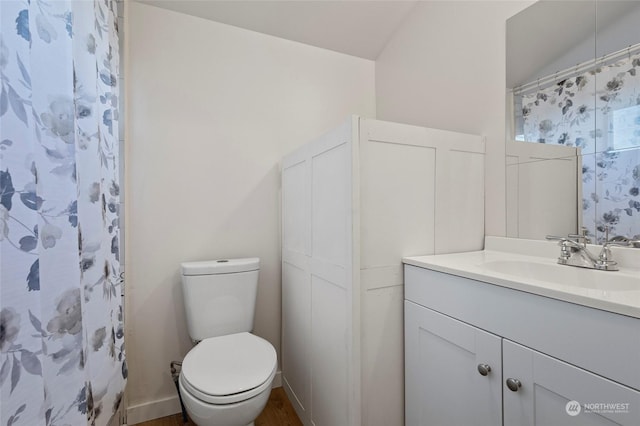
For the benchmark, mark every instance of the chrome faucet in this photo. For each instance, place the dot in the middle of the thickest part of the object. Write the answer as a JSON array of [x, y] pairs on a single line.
[[574, 251]]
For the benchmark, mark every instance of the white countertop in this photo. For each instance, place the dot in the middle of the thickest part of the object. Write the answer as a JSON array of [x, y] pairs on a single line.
[[531, 266]]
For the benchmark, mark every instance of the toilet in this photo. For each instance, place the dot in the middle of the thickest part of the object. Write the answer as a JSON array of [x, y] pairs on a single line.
[[226, 378]]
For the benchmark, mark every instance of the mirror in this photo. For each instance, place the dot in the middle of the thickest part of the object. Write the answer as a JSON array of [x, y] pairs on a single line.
[[573, 144]]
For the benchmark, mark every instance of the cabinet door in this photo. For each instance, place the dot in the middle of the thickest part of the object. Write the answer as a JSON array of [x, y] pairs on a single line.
[[556, 393], [319, 369], [296, 283], [443, 385]]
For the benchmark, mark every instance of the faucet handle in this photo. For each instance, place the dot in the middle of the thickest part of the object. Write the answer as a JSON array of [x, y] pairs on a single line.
[[605, 261], [561, 240], [606, 235], [566, 246], [582, 237], [615, 241]]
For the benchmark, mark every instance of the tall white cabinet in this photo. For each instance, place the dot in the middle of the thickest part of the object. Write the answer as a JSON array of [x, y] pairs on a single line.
[[354, 202]]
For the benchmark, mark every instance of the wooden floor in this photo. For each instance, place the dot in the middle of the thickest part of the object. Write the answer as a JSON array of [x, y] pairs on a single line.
[[278, 412]]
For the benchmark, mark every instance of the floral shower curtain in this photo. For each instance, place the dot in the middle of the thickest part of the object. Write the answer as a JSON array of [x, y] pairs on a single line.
[[61, 323], [599, 112]]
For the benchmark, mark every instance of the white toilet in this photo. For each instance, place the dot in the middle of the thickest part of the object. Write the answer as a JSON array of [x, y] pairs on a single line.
[[226, 378]]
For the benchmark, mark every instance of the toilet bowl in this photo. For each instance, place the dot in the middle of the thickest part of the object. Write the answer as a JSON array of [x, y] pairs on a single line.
[[226, 378], [241, 413]]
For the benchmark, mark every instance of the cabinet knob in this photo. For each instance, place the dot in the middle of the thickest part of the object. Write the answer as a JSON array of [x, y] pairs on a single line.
[[484, 369], [513, 384]]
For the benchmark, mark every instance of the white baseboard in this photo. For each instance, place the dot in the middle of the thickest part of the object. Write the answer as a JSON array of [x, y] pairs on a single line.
[[277, 380], [153, 410], [167, 406], [297, 406]]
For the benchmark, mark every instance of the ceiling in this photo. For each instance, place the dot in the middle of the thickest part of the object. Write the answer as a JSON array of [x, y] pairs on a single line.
[[360, 28]]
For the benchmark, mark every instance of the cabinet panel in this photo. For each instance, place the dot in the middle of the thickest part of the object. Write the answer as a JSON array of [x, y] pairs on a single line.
[[331, 205], [391, 226], [330, 356], [443, 385], [382, 356], [295, 225], [550, 386], [296, 327], [459, 224]]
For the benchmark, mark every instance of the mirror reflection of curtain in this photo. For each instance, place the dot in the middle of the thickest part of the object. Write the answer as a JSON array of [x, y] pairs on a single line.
[[61, 326], [608, 133]]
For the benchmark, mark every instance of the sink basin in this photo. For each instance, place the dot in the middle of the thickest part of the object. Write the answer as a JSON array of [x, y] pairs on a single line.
[[530, 266], [567, 275]]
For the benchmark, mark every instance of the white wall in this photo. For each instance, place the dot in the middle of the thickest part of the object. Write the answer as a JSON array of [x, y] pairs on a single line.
[[211, 109], [445, 68]]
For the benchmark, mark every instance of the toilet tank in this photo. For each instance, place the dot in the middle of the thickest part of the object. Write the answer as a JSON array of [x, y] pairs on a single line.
[[220, 296]]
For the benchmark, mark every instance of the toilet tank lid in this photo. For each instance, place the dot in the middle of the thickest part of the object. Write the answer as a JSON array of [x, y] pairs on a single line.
[[220, 266]]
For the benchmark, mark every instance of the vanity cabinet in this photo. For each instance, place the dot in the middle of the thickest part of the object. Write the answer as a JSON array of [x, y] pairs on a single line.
[[542, 353], [548, 385], [453, 369]]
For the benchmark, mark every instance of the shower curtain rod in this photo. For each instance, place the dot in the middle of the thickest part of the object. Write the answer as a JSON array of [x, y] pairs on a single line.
[[575, 71]]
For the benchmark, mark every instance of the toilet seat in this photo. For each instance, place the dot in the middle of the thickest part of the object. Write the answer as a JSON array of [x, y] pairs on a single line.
[[228, 369]]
